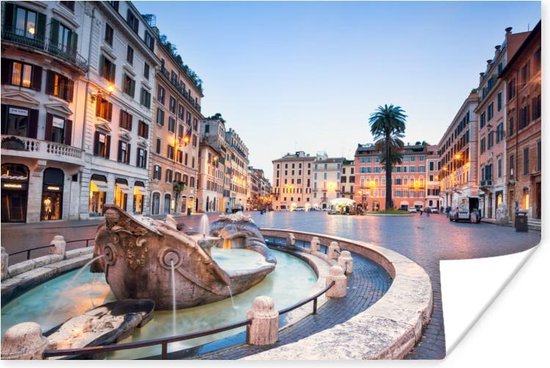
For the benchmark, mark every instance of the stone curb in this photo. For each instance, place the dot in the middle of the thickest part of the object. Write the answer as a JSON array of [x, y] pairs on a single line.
[[387, 330], [18, 284]]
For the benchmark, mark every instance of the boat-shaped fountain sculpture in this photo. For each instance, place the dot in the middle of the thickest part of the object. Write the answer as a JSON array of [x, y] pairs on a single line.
[[145, 258]]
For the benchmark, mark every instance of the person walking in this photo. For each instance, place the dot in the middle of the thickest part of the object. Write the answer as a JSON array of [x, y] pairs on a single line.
[[427, 212]]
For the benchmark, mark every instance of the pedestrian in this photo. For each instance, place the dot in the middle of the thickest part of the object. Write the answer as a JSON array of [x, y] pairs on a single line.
[[420, 210], [427, 212]]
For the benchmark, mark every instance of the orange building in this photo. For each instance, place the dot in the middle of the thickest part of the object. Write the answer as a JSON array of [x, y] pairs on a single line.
[[523, 140], [409, 178]]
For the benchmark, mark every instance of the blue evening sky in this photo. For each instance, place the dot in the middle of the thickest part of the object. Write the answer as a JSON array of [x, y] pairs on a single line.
[[291, 76]]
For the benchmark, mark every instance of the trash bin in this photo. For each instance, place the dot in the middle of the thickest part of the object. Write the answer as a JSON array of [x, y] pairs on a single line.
[[521, 222]]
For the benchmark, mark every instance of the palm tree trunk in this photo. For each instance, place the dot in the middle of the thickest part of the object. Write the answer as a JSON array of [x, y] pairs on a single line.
[[389, 204]]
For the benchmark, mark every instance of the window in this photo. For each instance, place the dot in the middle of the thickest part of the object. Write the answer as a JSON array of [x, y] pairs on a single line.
[[58, 129], [114, 4], [181, 113], [62, 38], [523, 117], [132, 21], [68, 4], [511, 89], [500, 132], [499, 101], [157, 172], [124, 152], [160, 94], [482, 145], [172, 105], [180, 131], [490, 140], [19, 121], [26, 23], [170, 152], [539, 153], [126, 120], [129, 86], [525, 74], [145, 98], [431, 166], [490, 109], [107, 68], [143, 129], [526, 161], [130, 55], [59, 86], [102, 145], [159, 144], [21, 74], [104, 109], [149, 40], [537, 60], [168, 176], [536, 107], [146, 70], [482, 120], [511, 127], [109, 34], [499, 166], [512, 166], [171, 125], [160, 116]]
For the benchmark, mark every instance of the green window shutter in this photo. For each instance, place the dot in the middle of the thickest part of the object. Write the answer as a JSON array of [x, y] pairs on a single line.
[[74, 43], [54, 34], [7, 66], [9, 14], [101, 64], [36, 78], [41, 27], [50, 82]]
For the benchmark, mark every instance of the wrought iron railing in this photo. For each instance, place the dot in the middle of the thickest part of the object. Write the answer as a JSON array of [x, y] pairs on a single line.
[[185, 94], [30, 250], [61, 51]]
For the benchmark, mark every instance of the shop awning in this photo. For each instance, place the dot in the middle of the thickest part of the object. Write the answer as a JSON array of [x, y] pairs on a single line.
[[123, 187], [101, 185], [140, 190]]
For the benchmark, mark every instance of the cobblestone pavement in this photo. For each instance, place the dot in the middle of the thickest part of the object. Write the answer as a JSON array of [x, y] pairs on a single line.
[[367, 284], [425, 240]]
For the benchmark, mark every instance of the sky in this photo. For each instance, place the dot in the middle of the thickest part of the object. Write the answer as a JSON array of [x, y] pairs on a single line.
[[306, 76]]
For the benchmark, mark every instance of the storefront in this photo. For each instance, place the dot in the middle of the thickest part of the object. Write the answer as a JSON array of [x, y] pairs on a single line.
[[121, 193], [139, 197], [98, 194], [52, 195], [15, 183]]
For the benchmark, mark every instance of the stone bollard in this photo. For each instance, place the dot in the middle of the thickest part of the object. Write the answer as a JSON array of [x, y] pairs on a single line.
[[24, 341], [264, 329], [315, 245], [5, 263], [59, 245], [333, 251], [339, 290], [346, 262], [291, 240]]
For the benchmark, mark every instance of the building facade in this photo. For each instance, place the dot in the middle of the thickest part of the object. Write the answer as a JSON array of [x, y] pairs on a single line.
[[326, 180], [212, 172], [522, 76], [409, 179], [175, 156], [458, 174], [236, 166], [43, 92], [259, 190], [293, 181], [347, 179], [433, 200], [491, 113]]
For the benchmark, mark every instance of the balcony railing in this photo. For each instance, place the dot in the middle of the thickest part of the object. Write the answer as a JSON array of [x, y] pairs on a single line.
[[42, 149], [63, 52], [180, 89], [486, 183]]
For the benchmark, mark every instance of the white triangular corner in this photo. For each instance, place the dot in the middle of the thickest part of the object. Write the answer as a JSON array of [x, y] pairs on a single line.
[[468, 288]]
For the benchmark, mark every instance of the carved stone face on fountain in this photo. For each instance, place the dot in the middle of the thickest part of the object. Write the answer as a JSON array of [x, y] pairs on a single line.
[[140, 253]]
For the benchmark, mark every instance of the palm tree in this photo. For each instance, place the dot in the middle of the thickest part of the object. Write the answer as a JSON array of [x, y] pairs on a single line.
[[387, 125]]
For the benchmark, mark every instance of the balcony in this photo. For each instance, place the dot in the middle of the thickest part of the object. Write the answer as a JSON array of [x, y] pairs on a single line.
[[180, 89], [45, 45], [486, 183], [41, 150]]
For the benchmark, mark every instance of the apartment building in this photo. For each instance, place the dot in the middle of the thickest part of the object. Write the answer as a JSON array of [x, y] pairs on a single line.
[[212, 171], [409, 179], [522, 76], [458, 166], [236, 166], [433, 199], [492, 119], [347, 179], [293, 181], [43, 92], [175, 156], [326, 180], [259, 190]]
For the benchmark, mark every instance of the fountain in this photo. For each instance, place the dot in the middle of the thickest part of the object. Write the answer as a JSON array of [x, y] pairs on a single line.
[[140, 253]]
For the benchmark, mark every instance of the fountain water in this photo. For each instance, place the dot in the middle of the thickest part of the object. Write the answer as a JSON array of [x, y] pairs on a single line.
[[231, 295], [226, 244], [69, 286], [204, 226]]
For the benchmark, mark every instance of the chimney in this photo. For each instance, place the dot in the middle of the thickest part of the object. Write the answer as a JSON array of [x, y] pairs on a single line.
[[508, 30], [489, 61]]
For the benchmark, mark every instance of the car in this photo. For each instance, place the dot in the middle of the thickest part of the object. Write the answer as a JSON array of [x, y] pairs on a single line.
[[300, 209], [412, 209], [459, 213], [432, 210]]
